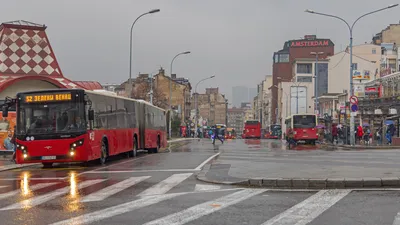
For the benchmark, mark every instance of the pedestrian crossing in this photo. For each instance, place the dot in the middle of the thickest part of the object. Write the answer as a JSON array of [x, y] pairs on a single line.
[[150, 201]]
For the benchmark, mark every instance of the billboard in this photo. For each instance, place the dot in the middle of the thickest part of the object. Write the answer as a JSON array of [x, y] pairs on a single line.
[[7, 130], [361, 75]]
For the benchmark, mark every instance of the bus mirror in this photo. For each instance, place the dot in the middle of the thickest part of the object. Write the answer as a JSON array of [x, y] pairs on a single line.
[[91, 114], [5, 111]]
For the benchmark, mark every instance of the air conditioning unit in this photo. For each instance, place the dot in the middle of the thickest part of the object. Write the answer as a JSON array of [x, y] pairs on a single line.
[[378, 112], [392, 111]]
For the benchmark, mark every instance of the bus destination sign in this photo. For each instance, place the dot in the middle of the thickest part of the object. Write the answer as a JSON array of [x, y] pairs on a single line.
[[48, 97]]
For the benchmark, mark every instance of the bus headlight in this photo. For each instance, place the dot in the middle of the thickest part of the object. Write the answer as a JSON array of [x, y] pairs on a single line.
[[23, 148], [25, 155], [76, 144]]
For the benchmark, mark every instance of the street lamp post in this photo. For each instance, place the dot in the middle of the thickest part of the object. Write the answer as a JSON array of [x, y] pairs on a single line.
[[170, 92], [352, 138], [130, 50], [195, 103], [316, 94]]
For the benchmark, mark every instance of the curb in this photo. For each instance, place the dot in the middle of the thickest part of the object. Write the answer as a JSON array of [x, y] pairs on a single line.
[[16, 166], [347, 147], [304, 183], [329, 183], [182, 140]]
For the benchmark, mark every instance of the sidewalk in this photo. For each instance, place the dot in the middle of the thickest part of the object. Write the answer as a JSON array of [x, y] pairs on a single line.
[[359, 147], [174, 140], [6, 164], [246, 165]]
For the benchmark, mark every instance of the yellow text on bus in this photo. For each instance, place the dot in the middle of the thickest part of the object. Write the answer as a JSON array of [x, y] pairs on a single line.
[[48, 97]]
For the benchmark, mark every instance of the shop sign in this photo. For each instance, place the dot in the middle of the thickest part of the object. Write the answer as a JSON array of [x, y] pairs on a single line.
[[316, 43]]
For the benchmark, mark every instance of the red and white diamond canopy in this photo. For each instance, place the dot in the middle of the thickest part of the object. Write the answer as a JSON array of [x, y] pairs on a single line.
[[25, 49]]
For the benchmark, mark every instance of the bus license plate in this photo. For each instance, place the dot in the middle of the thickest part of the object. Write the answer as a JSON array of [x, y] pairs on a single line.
[[48, 157]]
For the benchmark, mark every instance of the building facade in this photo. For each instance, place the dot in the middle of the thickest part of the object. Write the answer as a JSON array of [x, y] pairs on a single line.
[[292, 50], [236, 120], [212, 107]]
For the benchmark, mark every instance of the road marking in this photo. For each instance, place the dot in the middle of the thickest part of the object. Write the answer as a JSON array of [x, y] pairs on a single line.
[[397, 219], [32, 188], [37, 178], [143, 171], [206, 187], [117, 210], [166, 185], [113, 189], [115, 164], [309, 209], [28, 203], [207, 160], [206, 208]]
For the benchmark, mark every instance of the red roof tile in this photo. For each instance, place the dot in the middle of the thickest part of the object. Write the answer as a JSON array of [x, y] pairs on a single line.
[[89, 85]]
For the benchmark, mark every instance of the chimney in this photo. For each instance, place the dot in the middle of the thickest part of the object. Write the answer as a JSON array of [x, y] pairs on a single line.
[[173, 76], [161, 71]]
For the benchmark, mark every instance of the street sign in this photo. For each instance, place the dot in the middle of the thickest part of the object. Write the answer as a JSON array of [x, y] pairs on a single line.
[[354, 108], [353, 113], [354, 100]]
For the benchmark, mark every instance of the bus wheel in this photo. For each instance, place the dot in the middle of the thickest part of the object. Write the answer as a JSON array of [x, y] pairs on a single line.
[[47, 165], [103, 156]]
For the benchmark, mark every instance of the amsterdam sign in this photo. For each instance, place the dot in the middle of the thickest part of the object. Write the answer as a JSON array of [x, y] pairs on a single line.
[[316, 43]]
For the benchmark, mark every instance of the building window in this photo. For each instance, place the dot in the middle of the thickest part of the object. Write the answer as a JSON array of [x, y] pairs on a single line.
[[307, 79], [276, 60], [304, 68], [284, 58], [355, 67], [373, 51]]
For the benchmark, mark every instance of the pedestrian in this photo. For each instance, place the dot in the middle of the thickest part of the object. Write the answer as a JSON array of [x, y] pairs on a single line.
[[13, 141], [366, 134], [379, 135], [334, 133], [360, 133]]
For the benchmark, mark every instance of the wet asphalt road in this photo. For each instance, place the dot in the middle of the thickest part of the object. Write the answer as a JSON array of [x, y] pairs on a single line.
[[162, 189]]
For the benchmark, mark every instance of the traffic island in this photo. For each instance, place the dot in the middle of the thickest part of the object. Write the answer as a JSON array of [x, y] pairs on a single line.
[[299, 183]]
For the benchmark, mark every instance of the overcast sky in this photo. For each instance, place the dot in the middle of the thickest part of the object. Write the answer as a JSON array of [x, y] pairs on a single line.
[[232, 39]]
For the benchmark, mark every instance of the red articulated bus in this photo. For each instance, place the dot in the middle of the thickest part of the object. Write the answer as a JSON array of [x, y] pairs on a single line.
[[252, 129], [303, 126], [64, 125]]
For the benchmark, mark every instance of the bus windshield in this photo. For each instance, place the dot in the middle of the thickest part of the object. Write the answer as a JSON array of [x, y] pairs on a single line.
[[47, 118], [252, 122], [275, 127], [304, 121]]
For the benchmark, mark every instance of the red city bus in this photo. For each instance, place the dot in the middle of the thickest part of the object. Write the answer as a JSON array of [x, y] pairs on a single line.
[[252, 129], [303, 126], [56, 126]]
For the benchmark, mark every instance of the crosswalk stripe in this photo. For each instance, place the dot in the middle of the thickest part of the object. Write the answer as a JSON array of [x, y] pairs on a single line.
[[206, 208], [397, 219], [31, 188], [49, 196], [113, 189], [165, 185], [309, 209], [206, 187], [117, 210]]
